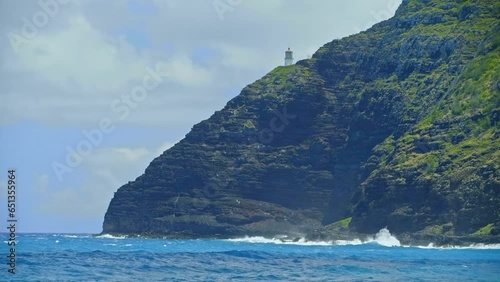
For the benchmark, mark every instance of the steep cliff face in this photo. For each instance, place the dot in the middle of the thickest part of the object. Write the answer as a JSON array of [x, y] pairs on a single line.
[[442, 175], [396, 126]]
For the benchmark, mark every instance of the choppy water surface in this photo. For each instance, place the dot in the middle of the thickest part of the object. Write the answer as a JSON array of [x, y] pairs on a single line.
[[77, 257]]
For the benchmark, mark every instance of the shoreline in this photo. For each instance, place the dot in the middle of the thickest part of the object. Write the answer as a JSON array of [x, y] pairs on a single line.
[[348, 238]]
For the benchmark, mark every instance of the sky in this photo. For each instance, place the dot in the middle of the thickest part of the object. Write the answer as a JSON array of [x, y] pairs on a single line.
[[92, 91]]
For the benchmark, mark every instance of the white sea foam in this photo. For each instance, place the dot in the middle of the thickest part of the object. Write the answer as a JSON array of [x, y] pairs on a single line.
[[472, 247], [383, 238], [485, 246], [67, 235], [280, 240], [349, 242], [108, 236]]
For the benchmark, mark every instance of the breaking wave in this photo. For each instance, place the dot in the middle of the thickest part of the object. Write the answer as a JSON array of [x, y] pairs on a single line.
[[109, 236], [382, 238], [472, 246], [281, 240]]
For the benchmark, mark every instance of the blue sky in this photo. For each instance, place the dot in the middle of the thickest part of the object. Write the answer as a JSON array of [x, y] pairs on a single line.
[[66, 68]]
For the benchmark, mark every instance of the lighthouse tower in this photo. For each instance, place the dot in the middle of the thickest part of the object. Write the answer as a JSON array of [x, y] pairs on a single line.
[[288, 57]]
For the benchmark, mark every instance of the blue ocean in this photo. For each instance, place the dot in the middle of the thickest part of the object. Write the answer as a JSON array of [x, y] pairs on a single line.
[[83, 257]]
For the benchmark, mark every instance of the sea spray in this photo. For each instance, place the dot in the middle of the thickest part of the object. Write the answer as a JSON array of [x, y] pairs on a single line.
[[383, 238]]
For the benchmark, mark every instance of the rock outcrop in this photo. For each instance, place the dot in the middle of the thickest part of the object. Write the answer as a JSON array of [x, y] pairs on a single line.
[[396, 127]]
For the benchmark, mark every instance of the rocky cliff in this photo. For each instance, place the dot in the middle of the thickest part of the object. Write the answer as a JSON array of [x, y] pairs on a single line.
[[397, 126]]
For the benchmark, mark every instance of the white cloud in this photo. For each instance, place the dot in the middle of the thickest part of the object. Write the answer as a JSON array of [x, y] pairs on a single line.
[[269, 8], [131, 154], [165, 146], [106, 170], [82, 56], [41, 183], [184, 71], [73, 203], [240, 57], [113, 157]]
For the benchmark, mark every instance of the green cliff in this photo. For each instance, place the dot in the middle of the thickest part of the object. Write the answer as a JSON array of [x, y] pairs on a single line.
[[397, 126]]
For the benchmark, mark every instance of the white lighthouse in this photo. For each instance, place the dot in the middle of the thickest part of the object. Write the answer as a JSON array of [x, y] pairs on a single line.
[[288, 57]]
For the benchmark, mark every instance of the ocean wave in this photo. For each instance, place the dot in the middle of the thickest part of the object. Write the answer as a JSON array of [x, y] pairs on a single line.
[[281, 241], [386, 239], [109, 236], [383, 238], [72, 236], [479, 246]]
